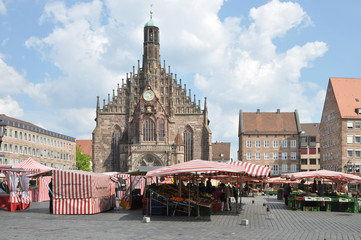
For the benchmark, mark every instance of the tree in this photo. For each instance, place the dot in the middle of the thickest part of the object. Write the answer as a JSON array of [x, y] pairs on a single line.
[[83, 161]]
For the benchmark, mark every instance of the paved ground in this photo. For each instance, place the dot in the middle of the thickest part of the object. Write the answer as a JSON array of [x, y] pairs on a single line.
[[279, 223]]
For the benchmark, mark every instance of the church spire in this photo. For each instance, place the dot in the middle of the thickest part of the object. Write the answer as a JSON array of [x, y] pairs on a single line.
[[151, 47]]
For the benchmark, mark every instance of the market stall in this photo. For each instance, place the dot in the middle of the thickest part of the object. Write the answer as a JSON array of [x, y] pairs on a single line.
[[79, 192], [171, 199], [38, 191], [323, 197]]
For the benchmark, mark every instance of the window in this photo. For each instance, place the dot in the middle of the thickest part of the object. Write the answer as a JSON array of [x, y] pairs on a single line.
[[304, 140], [303, 150], [266, 143], [313, 161], [5, 147], [25, 136], [357, 153], [249, 156], [293, 156], [25, 151], [10, 148], [304, 161], [349, 138], [284, 143], [16, 149], [258, 156], [358, 139], [284, 156], [29, 137], [161, 131], [293, 143], [188, 144], [312, 150], [16, 134], [21, 135], [275, 169], [293, 168], [275, 155], [275, 144], [34, 152], [266, 156], [249, 143], [349, 124], [148, 130], [284, 168], [258, 143], [357, 125], [350, 153]]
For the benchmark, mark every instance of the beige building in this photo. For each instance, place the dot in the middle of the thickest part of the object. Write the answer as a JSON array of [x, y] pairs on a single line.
[[151, 119], [270, 139], [23, 140], [310, 147], [340, 127]]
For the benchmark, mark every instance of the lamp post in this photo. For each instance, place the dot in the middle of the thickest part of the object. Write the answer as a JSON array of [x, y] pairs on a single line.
[[2, 131]]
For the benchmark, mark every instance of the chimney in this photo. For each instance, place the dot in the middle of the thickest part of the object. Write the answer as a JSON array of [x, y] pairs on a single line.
[[258, 111], [278, 111]]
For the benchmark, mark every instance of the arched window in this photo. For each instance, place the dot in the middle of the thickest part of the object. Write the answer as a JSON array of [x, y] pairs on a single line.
[[161, 130], [116, 137], [149, 131], [188, 144], [151, 34]]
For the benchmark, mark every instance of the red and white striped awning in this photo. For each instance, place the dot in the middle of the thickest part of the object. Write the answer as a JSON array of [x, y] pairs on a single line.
[[336, 176], [253, 170], [32, 165], [199, 167]]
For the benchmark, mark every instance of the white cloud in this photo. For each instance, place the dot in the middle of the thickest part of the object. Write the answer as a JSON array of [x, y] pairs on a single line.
[[10, 107], [10, 80], [2, 8]]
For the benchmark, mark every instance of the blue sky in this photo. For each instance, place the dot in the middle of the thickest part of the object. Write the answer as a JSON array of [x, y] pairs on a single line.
[[57, 56]]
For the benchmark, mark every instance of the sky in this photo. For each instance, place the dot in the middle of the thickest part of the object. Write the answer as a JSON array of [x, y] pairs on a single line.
[[56, 57]]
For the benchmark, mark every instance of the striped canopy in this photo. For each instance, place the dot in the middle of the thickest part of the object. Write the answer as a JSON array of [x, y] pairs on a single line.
[[32, 165], [199, 167], [253, 170], [336, 176]]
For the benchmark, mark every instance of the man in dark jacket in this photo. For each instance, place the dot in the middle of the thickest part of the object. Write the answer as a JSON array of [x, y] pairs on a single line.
[[286, 192], [51, 196]]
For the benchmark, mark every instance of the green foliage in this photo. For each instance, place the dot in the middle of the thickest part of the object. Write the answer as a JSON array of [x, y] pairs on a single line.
[[83, 161]]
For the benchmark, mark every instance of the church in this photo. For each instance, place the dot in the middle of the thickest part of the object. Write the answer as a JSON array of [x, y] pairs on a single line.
[[151, 119]]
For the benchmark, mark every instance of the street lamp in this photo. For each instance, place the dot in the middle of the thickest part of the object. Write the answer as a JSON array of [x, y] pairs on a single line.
[[2, 130]]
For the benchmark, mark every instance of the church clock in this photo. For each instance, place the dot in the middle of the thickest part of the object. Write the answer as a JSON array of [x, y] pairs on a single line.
[[148, 95]]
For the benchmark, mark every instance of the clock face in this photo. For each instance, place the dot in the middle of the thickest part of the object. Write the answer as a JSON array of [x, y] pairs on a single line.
[[148, 95]]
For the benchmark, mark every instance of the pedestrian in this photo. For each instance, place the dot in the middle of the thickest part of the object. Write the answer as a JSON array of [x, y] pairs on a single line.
[[209, 185], [286, 192], [235, 192], [301, 186], [51, 196]]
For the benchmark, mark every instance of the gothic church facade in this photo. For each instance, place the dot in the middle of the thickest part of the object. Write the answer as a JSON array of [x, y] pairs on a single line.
[[150, 120]]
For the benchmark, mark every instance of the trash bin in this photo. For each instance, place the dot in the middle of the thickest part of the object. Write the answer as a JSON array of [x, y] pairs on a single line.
[[280, 194]]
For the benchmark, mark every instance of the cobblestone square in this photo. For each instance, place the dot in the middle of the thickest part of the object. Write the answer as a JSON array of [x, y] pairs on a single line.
[[278, 223]]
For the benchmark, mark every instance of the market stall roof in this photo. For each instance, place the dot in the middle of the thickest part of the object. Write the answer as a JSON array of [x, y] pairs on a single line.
[[336, 176], [32, 165], [253, 170], [280, 180], [199, 167]]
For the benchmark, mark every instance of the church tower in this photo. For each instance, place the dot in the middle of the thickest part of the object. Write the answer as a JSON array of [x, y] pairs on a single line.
[[150, 120]]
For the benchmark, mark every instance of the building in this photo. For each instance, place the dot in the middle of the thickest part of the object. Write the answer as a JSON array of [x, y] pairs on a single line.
[[340, 127], [85, 146], [221, 151], [270, 139], [23, 140], [151, 119], [310, 147]]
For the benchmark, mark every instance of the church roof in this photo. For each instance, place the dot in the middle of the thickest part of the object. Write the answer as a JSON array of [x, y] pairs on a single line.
[[150, 23]]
